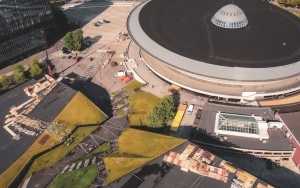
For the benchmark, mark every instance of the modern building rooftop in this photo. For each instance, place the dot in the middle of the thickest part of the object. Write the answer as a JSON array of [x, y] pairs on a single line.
[[47, 109], [54, 103], [277, 140], [10, 150], [292, 122]]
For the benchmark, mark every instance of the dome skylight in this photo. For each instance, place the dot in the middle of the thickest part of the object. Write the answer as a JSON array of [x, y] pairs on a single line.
[[230, 16]]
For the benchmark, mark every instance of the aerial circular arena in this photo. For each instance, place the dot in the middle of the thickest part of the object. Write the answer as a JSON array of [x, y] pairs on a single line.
[[219, 48]]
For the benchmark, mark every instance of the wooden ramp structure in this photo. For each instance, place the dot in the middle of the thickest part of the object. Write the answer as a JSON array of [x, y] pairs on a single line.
[[178, 117], [282, 101]]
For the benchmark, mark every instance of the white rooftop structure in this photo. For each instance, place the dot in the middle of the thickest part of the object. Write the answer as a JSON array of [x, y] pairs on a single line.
[[241, 125], [230, 16]]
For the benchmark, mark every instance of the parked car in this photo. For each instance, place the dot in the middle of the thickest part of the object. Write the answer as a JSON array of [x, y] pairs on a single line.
[[120, 73], [190, 109], [101, 22]]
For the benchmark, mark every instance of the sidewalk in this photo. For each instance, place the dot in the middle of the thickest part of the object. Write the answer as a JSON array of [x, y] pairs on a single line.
[[53, 49]]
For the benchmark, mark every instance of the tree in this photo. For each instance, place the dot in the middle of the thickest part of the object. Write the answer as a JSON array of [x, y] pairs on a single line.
[[4, 80], [163, 112], [34, 68], [74, 40], [18, 74], [18, 68], [68, 41], [78, 39]]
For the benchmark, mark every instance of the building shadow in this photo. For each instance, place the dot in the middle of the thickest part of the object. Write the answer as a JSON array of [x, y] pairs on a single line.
[[97, 94], [150, 169]]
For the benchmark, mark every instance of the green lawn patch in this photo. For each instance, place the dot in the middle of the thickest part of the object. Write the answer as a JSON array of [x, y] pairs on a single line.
[[97, 151], [132, 85], [82, 177], [140, 104], [136, 148]]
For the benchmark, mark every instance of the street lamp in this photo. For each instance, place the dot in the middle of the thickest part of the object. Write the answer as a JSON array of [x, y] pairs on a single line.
[[62, 70]]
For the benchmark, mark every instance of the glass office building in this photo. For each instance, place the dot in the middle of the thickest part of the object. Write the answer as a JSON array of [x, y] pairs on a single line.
[[22, 27]]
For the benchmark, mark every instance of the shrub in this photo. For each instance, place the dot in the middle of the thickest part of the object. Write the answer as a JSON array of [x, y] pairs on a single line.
[[4, 80]]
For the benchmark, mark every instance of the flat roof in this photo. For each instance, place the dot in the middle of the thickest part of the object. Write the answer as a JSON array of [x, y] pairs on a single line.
[[53, 103], [276, 142], [186, 39], [11, 150], [287, 108], [292, 122]]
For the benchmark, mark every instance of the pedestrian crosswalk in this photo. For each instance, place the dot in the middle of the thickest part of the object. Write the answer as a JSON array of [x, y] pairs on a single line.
[[96, 64], [81, 164]]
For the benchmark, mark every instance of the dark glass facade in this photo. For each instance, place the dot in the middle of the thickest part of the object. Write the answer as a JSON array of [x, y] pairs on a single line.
[[22, 27]]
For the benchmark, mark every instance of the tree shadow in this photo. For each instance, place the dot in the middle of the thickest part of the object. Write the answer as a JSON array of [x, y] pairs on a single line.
[[148, 129], [88, 41]]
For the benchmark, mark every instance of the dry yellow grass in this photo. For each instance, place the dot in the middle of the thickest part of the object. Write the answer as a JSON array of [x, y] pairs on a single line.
[[140, 104], [80, 111], [135, 149]]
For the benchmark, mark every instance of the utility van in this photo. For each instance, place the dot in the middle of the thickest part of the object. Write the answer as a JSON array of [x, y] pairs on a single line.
[[190, 109]]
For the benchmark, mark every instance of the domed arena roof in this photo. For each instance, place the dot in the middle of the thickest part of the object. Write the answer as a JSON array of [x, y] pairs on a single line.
[[175, 37], [230, 16]]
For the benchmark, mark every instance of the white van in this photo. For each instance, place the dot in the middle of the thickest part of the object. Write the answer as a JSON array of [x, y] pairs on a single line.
[[190, 109]]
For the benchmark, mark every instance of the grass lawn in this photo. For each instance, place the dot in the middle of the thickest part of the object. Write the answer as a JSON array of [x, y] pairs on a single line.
[[82, 177], [120, 112], [80, 111], [135, 149], [132, 85], [97, 151], [140, 104], [71, 116], [52, 157]]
